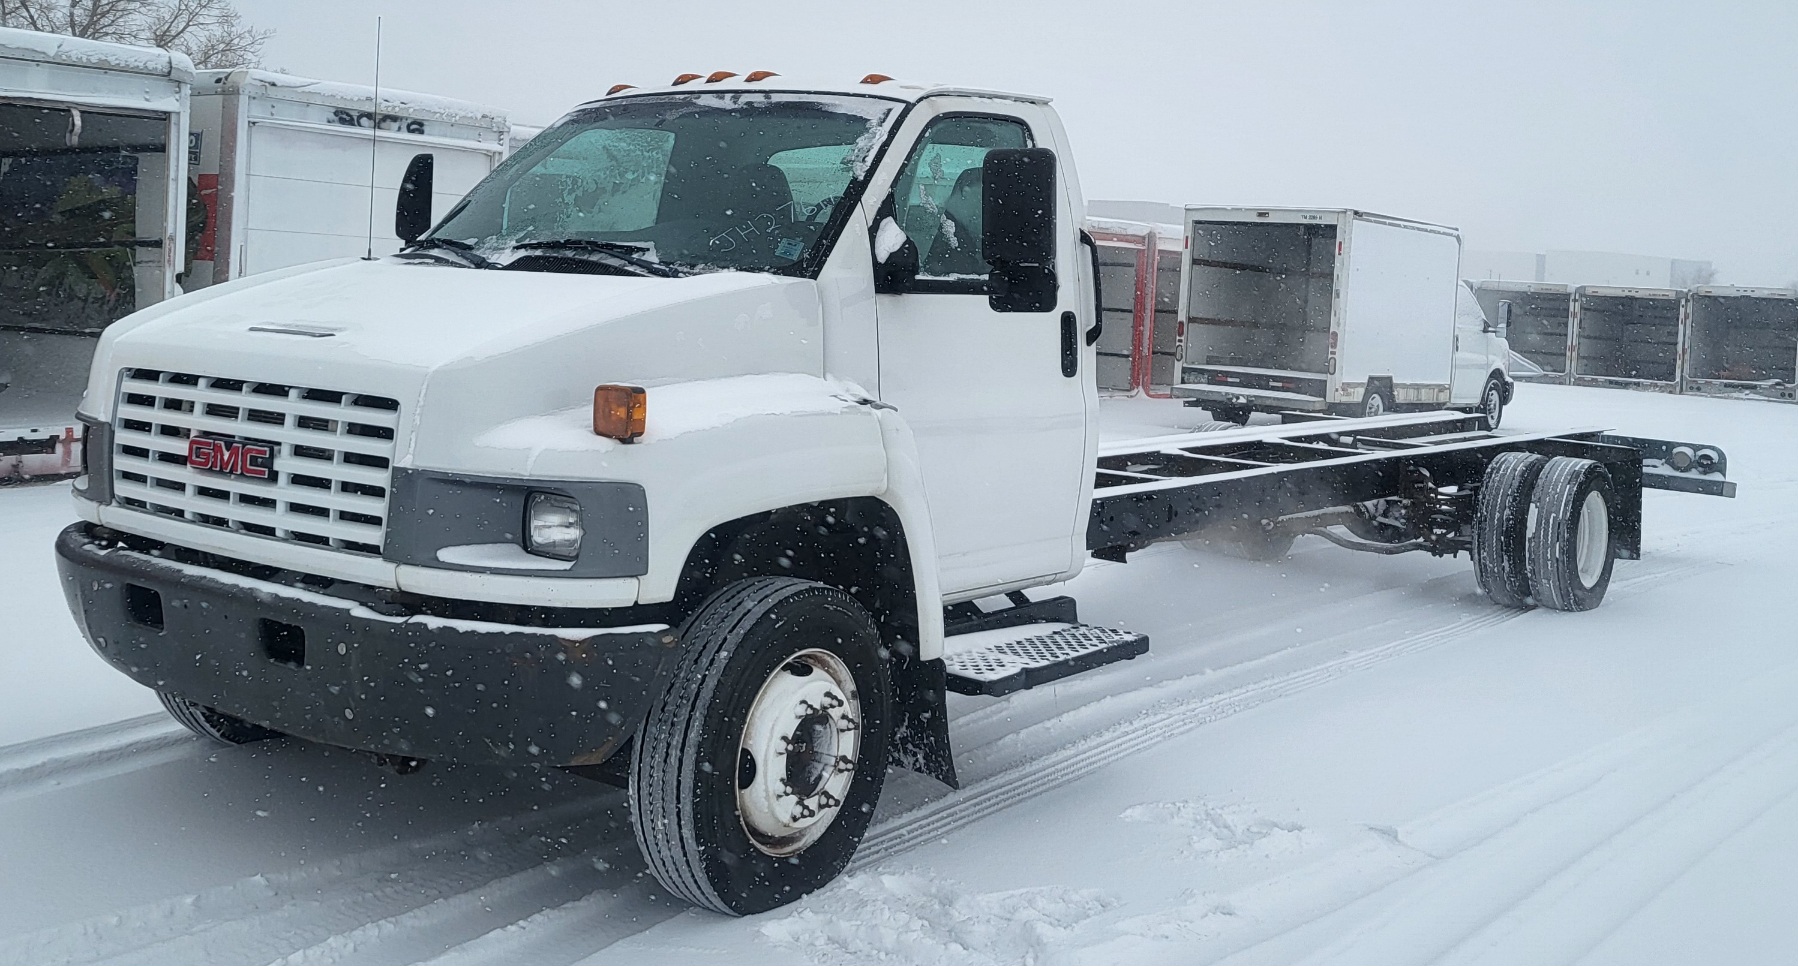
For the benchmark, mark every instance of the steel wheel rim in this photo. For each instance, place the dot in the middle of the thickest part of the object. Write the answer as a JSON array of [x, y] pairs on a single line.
[[1376, 405], [798, 753], [1593, 538], [1491, 406]]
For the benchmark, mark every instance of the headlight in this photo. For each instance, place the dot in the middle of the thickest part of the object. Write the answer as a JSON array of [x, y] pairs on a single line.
[[552, 526]]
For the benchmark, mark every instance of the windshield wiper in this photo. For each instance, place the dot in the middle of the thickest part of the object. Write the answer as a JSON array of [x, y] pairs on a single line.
[[464, 253], [626, 252]]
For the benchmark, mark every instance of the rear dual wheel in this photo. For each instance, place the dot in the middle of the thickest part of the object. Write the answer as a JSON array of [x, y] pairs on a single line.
[[1542, 532]]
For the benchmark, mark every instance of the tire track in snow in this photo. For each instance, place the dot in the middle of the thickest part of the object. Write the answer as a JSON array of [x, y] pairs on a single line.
[[1472, 876], [264, 917], [81, 756], [1151, 728]]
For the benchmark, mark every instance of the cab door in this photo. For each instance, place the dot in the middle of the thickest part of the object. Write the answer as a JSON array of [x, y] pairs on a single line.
[[998, 409]]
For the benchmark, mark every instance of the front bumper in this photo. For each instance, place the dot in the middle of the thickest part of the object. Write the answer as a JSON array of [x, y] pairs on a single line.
[[333, 670]]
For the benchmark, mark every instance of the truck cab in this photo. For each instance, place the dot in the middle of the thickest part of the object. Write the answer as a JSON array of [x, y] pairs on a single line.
[[692, 364]]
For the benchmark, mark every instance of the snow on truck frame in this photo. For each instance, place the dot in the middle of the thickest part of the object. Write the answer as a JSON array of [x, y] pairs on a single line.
[[90, 200], [710, 474]]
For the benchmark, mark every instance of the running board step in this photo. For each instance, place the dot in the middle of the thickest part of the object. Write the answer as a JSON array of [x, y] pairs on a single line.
[[1013, 659]]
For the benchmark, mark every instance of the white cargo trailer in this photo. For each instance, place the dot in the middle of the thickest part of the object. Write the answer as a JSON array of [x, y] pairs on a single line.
[[284, 165], [1627, 337], [1537, 331], [91, 227], [1742, 341], [1331, 310]]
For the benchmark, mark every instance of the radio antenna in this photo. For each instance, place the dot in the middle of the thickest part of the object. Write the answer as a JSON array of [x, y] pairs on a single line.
[[374, 143]]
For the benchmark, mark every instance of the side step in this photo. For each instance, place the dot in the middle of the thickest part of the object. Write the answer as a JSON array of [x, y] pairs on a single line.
[[998, 662]]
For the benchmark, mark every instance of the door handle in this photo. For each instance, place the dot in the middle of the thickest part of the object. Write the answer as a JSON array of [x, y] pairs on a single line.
[[1098, 329], [1070, 345]]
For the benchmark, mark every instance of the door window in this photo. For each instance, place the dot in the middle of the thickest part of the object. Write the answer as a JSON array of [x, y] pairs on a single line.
[[937, 199]]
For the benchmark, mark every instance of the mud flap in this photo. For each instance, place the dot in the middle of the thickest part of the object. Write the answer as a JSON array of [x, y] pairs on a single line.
[[921, 721]]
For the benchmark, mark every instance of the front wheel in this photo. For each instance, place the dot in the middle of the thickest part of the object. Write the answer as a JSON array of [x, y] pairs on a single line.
[[755, 774], [213, 725], [1492, 403]]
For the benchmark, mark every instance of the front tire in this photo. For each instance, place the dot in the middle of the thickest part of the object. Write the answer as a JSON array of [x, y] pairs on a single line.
[[1492, 403], [755, 774], [1376, 402], [213, 725]]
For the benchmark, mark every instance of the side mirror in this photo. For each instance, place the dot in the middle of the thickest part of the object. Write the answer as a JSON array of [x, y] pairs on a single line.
[[895, 257], [1018, 235], [412, 213], [1502, 324]]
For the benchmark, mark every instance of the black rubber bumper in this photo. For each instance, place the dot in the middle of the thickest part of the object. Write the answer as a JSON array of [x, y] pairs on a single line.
[[329, 670]]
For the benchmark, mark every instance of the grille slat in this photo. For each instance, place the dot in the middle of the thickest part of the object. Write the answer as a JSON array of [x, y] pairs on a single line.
[[338, 443]]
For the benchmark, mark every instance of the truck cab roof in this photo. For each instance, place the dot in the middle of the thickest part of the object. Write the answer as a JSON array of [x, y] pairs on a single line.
[[874, 85]]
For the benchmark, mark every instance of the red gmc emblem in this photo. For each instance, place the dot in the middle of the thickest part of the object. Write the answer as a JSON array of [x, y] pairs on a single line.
[[231, 456]]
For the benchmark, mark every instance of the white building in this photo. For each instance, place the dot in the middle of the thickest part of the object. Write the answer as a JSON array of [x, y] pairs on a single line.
[[1585, 268]]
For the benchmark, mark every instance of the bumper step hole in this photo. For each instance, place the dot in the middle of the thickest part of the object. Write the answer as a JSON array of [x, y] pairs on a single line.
[[283, 643], [143, 606]]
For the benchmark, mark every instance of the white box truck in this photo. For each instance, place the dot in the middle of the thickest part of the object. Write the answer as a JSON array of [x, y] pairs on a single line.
[[283, 166], [1332, 310], [705, 448], [1742, 342], [92, 171]]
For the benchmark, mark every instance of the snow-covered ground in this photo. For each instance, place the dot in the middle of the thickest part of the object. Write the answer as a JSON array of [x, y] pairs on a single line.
[[1334, 758]]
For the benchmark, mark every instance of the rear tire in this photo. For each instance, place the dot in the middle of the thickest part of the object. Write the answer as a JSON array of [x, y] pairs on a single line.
[[1501, 525], [1571, 549], [1377, 402], [713, 774], [1236, 415], [213, 725]]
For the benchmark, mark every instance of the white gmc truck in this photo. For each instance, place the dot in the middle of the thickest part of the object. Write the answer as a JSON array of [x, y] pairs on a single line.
[[703, 448]]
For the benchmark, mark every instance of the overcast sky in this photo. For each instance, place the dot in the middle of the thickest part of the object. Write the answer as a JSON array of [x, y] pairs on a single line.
[[1656, 128]]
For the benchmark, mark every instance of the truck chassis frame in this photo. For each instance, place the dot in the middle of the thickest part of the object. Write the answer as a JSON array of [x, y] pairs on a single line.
[[1313, 470]]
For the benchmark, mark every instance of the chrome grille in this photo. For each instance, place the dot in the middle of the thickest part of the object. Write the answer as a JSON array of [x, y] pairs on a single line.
[[333, 461]]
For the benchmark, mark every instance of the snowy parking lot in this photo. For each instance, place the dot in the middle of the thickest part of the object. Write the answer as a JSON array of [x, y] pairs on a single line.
[[1332, 758]]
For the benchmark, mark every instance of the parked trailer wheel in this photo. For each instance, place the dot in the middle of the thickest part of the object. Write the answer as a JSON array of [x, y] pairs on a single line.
[[213, 725], [1501, 527], [755, 774], [1571, 549], [1376, 403], [1492, 403]]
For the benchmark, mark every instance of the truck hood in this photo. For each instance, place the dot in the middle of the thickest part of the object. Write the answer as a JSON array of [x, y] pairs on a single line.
[[471, 347]]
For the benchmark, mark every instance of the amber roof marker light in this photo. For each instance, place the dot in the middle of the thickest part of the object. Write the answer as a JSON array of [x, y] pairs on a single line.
[[718, 75], [876, 79], [759, 75], [615, 88], [620, 412], [686, 79]]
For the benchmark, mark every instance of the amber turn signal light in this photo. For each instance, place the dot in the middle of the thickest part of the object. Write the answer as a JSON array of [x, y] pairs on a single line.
[[620, 412]]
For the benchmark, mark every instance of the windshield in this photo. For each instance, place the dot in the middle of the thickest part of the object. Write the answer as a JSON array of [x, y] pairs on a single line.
[[744, 181]]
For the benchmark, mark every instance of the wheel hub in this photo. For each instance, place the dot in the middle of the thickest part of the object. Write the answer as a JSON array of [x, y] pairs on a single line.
[[798, 752], [1592, 539]]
